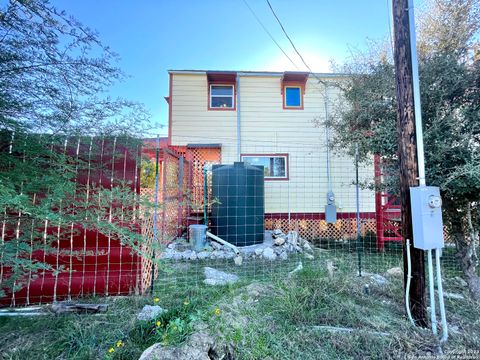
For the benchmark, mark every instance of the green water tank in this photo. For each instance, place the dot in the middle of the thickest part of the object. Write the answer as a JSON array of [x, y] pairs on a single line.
[[238, 195]]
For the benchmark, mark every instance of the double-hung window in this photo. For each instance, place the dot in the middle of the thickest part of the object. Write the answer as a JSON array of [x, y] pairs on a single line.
[[275, 166], [222, 97]]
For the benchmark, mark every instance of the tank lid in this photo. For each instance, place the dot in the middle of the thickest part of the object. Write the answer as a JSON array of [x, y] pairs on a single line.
[[239, 164]]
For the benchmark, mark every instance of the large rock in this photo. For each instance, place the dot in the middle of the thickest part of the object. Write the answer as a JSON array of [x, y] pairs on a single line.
[[395, 271], [217, 277], [200, 346], [279, 241], [269, 254], [150, 312], [292, 237]]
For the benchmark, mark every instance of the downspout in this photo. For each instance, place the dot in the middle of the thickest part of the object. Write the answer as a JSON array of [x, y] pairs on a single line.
[[239, 132]]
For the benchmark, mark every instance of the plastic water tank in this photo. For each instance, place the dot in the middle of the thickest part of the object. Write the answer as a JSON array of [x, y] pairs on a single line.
[[238, 203]]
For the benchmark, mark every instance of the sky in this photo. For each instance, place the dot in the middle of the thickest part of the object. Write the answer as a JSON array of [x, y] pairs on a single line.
[[154, 36]]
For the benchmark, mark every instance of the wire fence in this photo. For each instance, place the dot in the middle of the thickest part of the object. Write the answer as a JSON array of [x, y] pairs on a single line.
[[174, 186]]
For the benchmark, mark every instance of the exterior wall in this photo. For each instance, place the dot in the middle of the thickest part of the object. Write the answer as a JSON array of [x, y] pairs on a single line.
[[267, 128]]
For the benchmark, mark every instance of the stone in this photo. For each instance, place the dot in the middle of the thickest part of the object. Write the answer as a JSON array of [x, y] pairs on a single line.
[[150, 312], [218, 254], [238, 260], [278, 250], [330, 268], [307, 247], [276, 233], [379, 279], [283, 256], [193, 256], [395, 271], [279, 241], [217, 277], [460, 281], [171, 246], [202, 255], [215, 245], [292, 237], [269, 254], [258, 251], [297, 269], [309, 256], [200, 346], [453, 296]]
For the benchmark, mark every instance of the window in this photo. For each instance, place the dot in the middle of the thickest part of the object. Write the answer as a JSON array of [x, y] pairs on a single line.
[[275, 167], [222, 97], [293, 97]]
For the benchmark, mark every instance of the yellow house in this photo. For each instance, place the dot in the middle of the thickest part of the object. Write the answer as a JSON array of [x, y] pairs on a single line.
[[275, 119]]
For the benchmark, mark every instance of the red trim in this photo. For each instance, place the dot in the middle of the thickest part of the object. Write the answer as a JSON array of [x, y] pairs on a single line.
[[170, 103], [234, 108], [318, 216], [278, 154], [293, 79]]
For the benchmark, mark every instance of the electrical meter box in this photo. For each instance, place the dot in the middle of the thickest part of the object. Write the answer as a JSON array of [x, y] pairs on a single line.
[[330, 209], [427, 217]]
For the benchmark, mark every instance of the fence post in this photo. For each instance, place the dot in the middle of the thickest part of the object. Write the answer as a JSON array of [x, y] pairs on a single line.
[[180, 195]]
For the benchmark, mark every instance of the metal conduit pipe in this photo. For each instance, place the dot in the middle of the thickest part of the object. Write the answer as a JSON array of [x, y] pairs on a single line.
[[223, 242]]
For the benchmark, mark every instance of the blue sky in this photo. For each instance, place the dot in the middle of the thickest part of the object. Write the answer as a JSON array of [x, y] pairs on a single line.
[[152, 36]]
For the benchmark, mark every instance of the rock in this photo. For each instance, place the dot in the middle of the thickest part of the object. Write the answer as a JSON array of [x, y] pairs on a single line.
[[186, 255], [330, 268], [460, 281], [454, 329], [193, 256], [279, 241], [216, 246], [202, 255], [283, 256], [218, 254], [292, 237], [395, 271], [200, 346], [217, 277], [307, 247], [276, 233], [258, 251], [278, 250], [171, 246], [379, 279], [269, 254], [150, 312], [238, 260], [297, 269], [309, 256], [453, 296]]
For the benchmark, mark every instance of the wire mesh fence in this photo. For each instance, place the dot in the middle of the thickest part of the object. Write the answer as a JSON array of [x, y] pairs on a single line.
[[174, 188], [364, 238]]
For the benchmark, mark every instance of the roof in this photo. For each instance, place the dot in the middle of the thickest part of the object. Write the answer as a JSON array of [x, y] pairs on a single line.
[[254, 73]]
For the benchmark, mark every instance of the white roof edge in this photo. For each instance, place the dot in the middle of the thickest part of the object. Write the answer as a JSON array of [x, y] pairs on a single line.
[[255, 73]]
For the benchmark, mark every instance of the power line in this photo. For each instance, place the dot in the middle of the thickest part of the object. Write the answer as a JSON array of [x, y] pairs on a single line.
[[269, 34], [288, 37]]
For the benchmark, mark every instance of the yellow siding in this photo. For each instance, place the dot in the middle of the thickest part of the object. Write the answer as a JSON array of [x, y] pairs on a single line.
[[266, 128]]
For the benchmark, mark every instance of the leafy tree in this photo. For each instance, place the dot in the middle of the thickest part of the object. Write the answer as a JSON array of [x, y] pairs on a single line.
[[450, 95], [54, 75]]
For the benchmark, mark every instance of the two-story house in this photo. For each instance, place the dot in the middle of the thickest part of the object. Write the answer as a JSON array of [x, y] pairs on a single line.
[[275, 119]]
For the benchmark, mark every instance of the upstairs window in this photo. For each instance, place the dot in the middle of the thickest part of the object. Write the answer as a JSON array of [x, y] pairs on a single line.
[[222, 97], [293, 97], [275, 167]]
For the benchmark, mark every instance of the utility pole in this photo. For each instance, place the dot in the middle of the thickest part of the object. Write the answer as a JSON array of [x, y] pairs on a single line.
[[407, 155]]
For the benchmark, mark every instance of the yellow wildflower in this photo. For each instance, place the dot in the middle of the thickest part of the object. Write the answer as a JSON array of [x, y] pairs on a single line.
[[111, 350], [120, 343], [158, 323], [186, 302], [217, 311], [156, 300]]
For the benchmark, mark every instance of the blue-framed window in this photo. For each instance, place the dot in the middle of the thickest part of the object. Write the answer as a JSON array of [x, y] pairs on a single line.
[[293, 97]]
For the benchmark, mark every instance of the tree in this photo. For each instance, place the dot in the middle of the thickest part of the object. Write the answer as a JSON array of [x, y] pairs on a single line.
[[54, 75], [450, 95]]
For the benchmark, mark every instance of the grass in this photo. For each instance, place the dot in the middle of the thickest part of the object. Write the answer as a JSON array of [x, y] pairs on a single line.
[[266, 315]]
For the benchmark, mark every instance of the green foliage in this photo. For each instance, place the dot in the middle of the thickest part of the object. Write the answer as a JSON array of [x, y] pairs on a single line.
[[54, 73]]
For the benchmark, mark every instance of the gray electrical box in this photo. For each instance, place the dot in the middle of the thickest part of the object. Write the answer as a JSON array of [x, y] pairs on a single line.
[[330, 209], [427, 217]]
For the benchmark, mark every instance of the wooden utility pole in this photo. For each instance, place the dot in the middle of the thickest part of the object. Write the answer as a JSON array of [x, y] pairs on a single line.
[[407, 155]]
